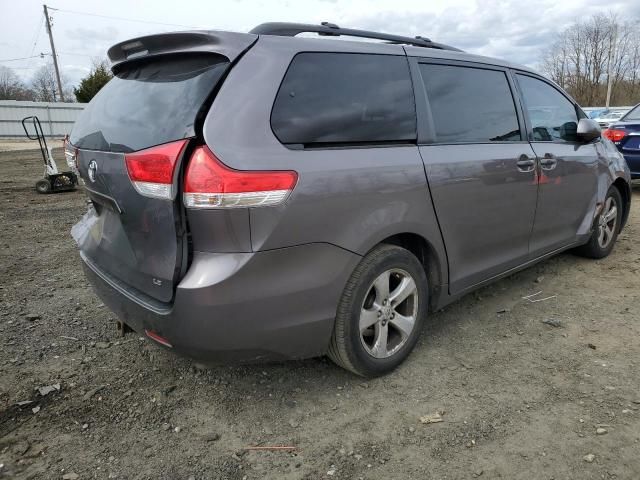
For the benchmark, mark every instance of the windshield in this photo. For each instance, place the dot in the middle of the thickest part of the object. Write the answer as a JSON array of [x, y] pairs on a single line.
[[634, 114], [148, 104]]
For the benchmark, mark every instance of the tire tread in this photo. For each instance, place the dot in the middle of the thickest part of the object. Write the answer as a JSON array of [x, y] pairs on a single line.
[[338, 346]]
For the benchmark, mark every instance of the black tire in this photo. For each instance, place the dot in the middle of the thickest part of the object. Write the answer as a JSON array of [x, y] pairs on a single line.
[[347, 347], [43, 186], [594, 248]]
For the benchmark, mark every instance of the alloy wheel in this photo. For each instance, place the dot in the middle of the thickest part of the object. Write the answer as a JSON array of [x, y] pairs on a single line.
[[388, 314], [607, 222]]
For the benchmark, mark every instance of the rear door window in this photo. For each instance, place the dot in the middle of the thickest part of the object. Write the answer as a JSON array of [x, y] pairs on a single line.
[[149, 103], [344, 98], [470, 104], [553, 117]]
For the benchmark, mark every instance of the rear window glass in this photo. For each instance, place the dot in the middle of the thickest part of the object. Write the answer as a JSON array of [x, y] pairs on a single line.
[[343, 98], [470, 104], [634, 114], [148, 104]]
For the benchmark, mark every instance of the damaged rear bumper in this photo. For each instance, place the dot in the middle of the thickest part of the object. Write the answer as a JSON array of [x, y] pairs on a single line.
[[240, 307]]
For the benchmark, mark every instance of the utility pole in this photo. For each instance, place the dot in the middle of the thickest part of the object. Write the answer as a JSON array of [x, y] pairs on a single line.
[[53, 52], [612, 51]]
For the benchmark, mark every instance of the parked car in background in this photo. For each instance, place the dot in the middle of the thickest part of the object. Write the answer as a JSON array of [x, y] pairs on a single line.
[[595, 112], [625, 134], [608, 118], [259, 195]]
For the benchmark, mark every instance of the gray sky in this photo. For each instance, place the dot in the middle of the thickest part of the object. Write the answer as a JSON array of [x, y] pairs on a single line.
[[515, 30]]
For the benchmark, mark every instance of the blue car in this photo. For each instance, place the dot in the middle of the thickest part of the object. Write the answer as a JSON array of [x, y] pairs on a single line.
[[597, 112], [625, 134]]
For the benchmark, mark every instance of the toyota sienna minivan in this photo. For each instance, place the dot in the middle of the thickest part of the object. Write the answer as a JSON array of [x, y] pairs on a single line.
[[261, 196]]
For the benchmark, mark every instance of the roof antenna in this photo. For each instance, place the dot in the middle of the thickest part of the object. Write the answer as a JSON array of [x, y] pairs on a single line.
[[420, 37], [332, 26]]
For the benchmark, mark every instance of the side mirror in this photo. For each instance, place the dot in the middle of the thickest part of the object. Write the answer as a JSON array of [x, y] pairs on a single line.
[[588, 130]]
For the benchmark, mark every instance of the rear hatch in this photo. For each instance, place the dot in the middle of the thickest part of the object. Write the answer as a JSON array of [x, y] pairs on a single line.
[[130, 144]]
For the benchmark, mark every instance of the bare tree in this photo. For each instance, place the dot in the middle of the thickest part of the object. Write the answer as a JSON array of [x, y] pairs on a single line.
[[45, 89], [11, 87], [584, 55]]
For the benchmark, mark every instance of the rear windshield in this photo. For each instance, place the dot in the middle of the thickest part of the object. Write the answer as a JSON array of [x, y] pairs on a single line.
[[148, 104], [633, 114]]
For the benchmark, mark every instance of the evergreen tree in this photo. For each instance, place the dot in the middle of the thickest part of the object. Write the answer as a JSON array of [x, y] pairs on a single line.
[[92, 83]]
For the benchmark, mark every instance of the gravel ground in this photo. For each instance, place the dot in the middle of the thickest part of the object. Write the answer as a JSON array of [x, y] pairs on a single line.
[[518, 398], [13, 144]]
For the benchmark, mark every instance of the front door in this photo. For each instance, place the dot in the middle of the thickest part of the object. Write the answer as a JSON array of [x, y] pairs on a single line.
[[480, 169], [568, 169]]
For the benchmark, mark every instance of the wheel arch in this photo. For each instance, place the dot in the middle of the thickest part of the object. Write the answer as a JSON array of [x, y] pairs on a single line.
[[428, 257]]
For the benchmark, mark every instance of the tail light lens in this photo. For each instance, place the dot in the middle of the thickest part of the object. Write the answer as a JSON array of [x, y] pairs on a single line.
[[71, 155], [208, 183], [614, 135], [151, 170]]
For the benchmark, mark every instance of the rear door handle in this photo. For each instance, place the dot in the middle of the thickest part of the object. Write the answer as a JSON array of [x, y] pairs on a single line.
[[548, 162], [525, 164]]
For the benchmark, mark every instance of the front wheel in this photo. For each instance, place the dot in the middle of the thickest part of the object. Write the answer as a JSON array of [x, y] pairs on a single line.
[[43, 186], [381, 312], [606, 228]]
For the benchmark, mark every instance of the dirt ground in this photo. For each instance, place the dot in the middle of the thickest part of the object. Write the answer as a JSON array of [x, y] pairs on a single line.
[[519, 399], [12, 144]]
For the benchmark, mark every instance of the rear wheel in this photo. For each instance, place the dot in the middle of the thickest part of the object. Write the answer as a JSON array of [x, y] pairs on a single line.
[[43, 186], [381, 312], [606, 229]]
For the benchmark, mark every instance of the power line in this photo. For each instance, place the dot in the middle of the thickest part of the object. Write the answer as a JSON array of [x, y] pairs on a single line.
[[35, 42], [122, 18], [24, 68], [22, 58], [36, 35]]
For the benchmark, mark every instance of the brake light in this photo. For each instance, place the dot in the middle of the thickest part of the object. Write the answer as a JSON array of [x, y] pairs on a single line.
[[208, 183], [70, 154], [151, 170], [614, 135]]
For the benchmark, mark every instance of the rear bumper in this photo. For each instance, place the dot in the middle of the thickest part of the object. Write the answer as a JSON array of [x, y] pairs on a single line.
[[633, 161], [240, 307]]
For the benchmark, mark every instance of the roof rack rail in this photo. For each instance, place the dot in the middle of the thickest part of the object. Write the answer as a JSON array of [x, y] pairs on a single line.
[[327, 29]]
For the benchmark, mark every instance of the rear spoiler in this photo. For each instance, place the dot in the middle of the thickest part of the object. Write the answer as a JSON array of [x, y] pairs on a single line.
[[229, 44]]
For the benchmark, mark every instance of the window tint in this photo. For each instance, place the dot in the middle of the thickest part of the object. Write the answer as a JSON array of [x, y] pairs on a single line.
[[470, 104], [345, 98], [553, 116], [634, 114], [148, 104]]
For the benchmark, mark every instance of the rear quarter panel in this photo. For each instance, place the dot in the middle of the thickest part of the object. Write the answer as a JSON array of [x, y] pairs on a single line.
[[350, 197]]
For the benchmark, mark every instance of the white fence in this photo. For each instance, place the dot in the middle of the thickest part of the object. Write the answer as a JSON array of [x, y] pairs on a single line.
[[56, 118]]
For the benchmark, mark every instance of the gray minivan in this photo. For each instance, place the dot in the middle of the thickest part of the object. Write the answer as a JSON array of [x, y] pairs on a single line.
[[267, 196]]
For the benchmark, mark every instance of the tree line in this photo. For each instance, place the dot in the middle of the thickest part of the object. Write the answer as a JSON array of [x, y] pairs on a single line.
[[43, 87], [581, 58]]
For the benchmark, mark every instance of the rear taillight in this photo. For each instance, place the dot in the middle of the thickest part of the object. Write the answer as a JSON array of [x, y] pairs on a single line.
[[151, 170], [208, 183], [614, 135], [71, 155]]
